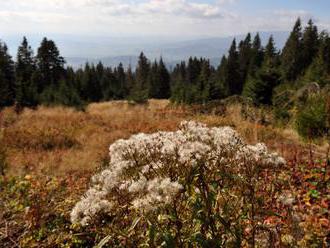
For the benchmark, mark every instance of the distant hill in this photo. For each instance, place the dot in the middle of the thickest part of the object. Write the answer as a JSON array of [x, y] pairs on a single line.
[[78, 62], [113, 50]]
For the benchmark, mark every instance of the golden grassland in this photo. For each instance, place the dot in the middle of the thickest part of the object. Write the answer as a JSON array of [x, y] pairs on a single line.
[[51, 153], [57, 140]]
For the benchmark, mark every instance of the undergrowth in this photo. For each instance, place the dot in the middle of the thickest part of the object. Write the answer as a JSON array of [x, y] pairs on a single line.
[[48, 169]]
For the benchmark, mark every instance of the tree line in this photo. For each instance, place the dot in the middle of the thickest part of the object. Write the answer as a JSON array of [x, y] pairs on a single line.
[[249, 69]]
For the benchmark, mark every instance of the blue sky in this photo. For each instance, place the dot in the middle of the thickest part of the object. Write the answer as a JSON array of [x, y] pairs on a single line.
[[170, 18]]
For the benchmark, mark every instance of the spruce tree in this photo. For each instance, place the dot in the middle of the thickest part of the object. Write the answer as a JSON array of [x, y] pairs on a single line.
[[232, 73], [257, 55], [70, 90], [91, 88], [179, 83], [193, 70], [244, 57], [192, 76], [26, 90], [121, 79], [108, 85], [130, 81], [164, 84], [219, 84], [292, 60], [203, 87], [7, 77], [310, 43], [140, 90], [104, 85], [319, 70], [50, 67], [260, 87], [160, 81], [154, 80]]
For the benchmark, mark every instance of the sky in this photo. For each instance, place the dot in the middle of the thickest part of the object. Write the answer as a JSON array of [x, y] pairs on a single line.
[[167, 18]]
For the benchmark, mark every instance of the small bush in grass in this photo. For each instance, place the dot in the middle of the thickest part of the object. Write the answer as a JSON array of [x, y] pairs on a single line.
[[283, 104], [197, 186], [312, 119]]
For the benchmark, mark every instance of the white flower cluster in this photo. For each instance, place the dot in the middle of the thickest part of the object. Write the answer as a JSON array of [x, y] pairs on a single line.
[[146, 169], [157, 191]]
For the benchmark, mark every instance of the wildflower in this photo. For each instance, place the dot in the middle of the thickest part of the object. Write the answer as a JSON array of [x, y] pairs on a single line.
[[90, 205], [157, 192], [146, 167]]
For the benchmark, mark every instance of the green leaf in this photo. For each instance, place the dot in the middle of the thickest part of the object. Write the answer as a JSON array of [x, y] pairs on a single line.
[[314, 193]]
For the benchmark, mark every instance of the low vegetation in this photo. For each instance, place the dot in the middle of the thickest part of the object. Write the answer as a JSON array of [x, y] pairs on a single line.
[[51, 155]]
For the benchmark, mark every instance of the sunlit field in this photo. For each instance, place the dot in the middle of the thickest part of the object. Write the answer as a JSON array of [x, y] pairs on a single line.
[[49, 155]]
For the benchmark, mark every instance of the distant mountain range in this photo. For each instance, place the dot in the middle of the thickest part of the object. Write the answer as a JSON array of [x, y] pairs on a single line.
[[113, 50]]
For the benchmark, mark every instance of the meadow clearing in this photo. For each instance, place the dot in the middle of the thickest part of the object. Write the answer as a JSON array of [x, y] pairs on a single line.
[[48, 156]]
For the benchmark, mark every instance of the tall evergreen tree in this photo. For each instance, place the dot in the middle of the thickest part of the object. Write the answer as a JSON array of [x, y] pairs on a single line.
[[193, 70], [130, 80], [104, 85], [26, 90], [50, 66], [160, 81], [292, 60], [164, 84], [310, 44], [319, 70], [50, 72], [203, 87], [121, 79], [69, 90], [219, 84], [260, 87], [140, 90], [232, 73], [154, 80], [92, 91], [179, 83], [244, 57], [257, 55], [7, 77]]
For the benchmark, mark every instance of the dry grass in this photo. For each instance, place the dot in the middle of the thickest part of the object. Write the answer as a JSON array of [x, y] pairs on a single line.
[[56, 150], [284, 141], [59, 140]]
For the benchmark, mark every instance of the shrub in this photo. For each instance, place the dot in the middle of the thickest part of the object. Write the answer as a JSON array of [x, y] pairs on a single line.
[[311, 120], [139, 97], [198, 186], [283, 101]]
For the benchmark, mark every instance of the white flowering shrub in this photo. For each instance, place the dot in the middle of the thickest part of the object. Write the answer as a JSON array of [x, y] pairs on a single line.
[[198, 185]]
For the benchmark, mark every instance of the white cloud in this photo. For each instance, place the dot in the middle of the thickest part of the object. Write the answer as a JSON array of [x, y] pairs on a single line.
[[131, 17], [293, 14], [159, 7], [112, 16]]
